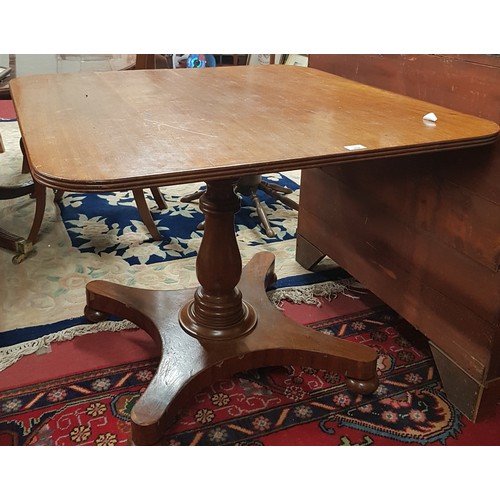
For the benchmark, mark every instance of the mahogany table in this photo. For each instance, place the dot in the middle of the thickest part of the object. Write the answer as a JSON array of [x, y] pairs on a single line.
[[113, 131]]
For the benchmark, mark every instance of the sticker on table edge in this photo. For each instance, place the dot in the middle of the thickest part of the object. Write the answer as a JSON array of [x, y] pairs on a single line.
[[355, 147]]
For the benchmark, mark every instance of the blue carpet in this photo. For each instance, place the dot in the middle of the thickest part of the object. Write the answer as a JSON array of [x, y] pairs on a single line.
[[110, 223]]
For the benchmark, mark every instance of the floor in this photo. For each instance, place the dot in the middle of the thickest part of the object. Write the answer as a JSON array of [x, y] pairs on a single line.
[[50, 285]]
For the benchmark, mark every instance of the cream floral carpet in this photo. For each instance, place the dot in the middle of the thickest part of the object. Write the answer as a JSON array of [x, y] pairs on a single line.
[[49, 286]]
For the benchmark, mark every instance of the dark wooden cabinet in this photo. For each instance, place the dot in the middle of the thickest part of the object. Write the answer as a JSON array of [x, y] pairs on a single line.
[[422, 232], [231, 59]]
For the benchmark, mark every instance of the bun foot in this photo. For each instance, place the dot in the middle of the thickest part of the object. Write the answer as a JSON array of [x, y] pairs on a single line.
[[93, 315], [362, 386]]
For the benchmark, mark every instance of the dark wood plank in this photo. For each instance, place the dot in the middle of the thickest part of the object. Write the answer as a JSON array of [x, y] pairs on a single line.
[[419, 252], [417, 192]]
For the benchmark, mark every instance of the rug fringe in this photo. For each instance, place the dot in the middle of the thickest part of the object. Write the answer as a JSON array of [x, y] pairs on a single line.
[[310, 294], [12, 354], [306, 294]]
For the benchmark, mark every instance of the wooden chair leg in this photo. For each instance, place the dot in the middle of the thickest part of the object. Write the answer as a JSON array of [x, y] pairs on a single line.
[[145, 214], [274, 191], [193, 196], [58, 195], [262, 215], [160, 201], [25, 167], [40, 202], [142, 206], [24, 247]]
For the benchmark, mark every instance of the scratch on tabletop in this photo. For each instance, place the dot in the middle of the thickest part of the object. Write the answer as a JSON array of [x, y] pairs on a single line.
[[160, 124]]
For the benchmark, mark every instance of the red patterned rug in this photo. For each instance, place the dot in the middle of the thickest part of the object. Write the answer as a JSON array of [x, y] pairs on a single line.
[[90, 384], [7, 112]]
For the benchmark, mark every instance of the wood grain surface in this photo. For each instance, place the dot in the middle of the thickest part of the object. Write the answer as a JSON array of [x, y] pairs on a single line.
[[118, 130]]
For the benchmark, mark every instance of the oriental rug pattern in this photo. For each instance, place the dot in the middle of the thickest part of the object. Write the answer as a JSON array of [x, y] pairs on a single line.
[[289, 405]]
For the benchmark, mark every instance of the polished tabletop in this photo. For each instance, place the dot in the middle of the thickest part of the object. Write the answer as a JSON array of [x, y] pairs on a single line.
[[133, 129]]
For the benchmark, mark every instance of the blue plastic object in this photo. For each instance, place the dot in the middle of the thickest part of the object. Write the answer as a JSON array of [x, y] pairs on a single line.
[[200, 61]]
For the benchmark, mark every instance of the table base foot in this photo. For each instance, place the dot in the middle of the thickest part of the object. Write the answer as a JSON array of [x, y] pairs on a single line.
[[189, 364], [362, 386]]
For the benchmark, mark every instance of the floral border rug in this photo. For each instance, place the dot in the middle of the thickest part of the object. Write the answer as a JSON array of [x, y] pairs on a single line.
[[110, 223]]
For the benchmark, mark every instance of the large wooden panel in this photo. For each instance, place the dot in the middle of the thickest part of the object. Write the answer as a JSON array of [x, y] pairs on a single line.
[[409, 247], [417, 192], [433, 290], [422, 232]]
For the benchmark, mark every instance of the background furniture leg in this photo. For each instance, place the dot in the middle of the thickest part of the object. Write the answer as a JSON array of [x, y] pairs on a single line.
[[145, 214]]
